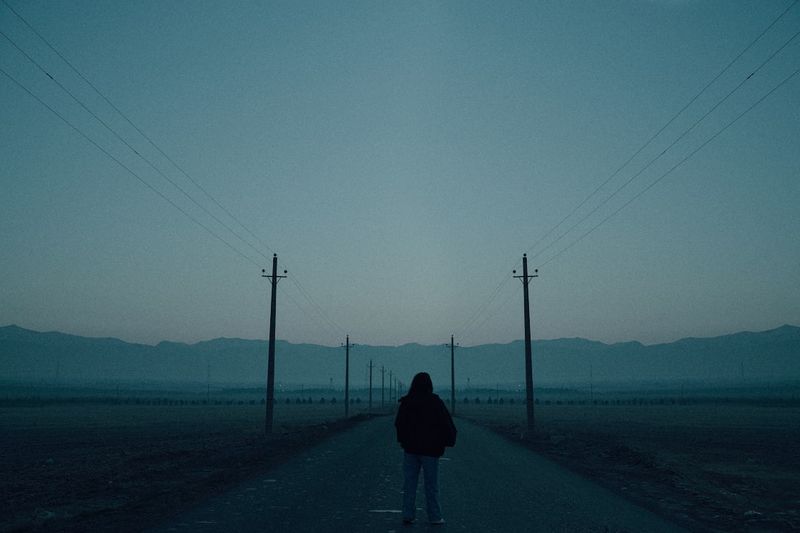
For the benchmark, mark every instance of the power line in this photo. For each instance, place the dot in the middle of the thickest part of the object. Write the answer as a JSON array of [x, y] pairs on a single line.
[[664, 127], [319, 318], [673, 143], [311, 317], [139, 130], [682, 161], [126, 143], [316, 306], [126, 168], [313, 304], [462, 331], [472, 335], [690, 128], [165, 155], [493, 295]]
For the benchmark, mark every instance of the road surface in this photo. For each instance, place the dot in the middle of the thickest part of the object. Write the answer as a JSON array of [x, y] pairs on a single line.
[[352, 482]]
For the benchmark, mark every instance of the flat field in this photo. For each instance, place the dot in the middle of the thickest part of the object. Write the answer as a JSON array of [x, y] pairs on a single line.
[[711, 466], [78, 466], [111, 463]]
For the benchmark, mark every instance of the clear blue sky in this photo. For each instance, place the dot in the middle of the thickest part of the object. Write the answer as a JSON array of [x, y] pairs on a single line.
[[400, 157]]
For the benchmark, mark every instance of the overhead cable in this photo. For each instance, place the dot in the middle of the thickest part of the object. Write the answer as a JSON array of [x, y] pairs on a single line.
[[665, 150], [126, 143], [311, 301], [137, 128], [127, 169], [664, 127], [475, 316], [681, 162]]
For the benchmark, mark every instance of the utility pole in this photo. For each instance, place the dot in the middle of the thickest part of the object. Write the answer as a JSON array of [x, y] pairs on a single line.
[[370, 385], [270, 403], [453, 347], [346, 376], [391, 383], [383, 384], [525, 278]]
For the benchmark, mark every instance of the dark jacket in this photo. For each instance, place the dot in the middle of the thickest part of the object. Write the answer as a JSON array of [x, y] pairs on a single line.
[[424, 426]]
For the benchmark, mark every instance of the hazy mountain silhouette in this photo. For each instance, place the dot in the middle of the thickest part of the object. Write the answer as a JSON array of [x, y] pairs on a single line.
[[41, 357]]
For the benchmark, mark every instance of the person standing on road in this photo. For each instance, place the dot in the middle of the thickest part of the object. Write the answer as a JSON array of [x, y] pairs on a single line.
[[424, 428]]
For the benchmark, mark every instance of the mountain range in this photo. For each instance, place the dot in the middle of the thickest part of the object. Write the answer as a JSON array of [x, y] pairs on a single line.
[[53, 357]]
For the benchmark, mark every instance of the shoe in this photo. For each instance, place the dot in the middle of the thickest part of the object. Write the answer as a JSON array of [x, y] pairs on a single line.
[[437, 522], [408, 521]]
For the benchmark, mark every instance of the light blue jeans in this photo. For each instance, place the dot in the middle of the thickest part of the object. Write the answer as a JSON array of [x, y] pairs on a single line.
[[430, 468]]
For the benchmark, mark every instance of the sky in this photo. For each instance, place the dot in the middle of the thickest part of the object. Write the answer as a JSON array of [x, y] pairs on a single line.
[[400, 157]]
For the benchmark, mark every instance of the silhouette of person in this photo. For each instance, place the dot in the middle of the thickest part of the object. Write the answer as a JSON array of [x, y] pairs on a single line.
[[424, 429]]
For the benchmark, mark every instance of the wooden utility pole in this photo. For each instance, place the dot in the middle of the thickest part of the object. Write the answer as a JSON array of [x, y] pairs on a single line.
[[370, 385], [383, 384], [270, 401], [347, 377], [525, 278], [391, 384], [453, 347]]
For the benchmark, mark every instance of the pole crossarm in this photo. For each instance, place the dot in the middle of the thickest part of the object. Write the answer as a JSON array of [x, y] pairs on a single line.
[[525, 277]]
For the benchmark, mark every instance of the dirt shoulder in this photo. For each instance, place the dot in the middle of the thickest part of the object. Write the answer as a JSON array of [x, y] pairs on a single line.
[[127, 478], [705, 479]]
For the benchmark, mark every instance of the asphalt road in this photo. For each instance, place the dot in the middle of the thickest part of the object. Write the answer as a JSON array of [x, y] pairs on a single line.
[[352, 482]]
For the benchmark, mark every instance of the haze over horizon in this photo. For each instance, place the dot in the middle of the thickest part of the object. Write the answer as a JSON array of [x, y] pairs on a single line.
[[510, 341], [400, 158]]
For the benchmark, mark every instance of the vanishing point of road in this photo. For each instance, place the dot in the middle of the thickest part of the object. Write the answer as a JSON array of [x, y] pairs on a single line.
[[352, 482]]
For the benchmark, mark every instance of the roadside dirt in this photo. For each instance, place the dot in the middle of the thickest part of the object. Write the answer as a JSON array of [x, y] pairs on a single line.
[[704, 478], [127, 477]]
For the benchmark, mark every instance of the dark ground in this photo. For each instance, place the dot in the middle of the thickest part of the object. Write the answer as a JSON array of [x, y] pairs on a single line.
[[715, 467], [352, 483], [120, 468]]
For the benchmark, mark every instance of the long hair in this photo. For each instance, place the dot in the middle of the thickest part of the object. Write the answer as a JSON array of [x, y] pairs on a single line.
[[421, 384]]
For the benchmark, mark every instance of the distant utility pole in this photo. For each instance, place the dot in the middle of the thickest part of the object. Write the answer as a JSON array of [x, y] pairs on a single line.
[[370, 385], [383, 384], [525, 278], [453, 347], [346, 347], [271, 357], [391, 383]]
